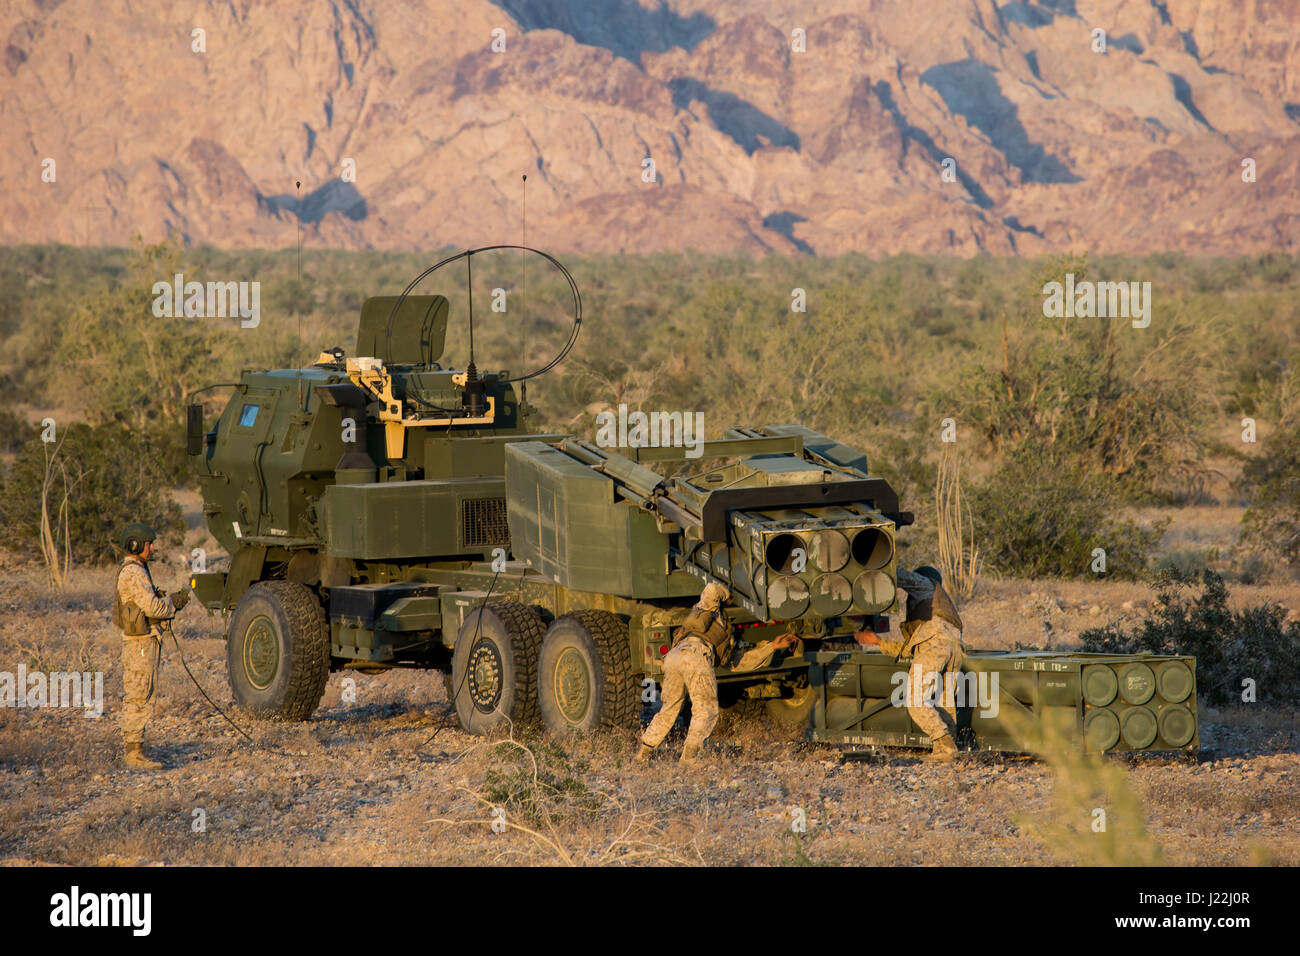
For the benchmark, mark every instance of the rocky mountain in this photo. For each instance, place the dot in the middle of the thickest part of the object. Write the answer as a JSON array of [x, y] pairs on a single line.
[[813, 126]]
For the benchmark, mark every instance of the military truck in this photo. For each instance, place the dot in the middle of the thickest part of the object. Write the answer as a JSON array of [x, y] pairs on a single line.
[[382, 511]]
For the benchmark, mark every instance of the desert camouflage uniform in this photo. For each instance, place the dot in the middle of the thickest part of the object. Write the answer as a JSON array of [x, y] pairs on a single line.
[[935, 645], [143, 608], [688, 670]]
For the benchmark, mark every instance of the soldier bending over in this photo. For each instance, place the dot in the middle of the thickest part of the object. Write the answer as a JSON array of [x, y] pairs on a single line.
[[704, 641], [931, 634]]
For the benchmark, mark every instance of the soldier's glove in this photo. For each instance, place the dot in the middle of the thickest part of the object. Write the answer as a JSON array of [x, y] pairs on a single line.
[[180, 597]]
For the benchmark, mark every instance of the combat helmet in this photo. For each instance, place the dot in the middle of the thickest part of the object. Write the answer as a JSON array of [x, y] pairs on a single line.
[[135, 535], [928, 572]]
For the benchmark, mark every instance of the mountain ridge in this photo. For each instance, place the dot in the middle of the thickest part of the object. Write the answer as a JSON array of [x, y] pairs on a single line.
[[1046, 144]]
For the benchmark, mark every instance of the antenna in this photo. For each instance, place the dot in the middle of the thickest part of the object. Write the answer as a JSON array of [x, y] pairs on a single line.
[[469, 285], [474, 389], [298, 186]]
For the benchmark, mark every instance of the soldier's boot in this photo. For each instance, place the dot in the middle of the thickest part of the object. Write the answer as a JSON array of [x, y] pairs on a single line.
[[691, 754], [945, 749], [643, 755], [135, 758]]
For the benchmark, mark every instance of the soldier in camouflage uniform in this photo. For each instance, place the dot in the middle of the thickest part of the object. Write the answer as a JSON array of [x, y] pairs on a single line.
[[704, 641], [138, 610], [931, 634]]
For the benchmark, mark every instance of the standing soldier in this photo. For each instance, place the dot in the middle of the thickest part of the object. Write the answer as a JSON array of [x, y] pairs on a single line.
[[138, 610], [705, 642], [931, 634]]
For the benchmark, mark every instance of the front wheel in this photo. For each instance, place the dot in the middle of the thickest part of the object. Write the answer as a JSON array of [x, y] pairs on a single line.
[[278, 651]]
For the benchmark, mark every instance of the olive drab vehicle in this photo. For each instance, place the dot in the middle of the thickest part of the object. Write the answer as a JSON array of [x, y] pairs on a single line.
[[382, 511]]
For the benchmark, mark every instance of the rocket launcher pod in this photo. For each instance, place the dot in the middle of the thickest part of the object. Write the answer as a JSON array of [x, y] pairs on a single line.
[[1099, 703]]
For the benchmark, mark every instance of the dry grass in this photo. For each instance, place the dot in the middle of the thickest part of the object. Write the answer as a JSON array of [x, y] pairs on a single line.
[[1096, 817]]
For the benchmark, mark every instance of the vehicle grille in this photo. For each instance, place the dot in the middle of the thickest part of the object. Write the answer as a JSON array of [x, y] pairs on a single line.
[[483, 522]]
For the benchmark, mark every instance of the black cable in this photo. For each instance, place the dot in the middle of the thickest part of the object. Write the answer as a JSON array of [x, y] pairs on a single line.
[[213, 703], [190, 397], [451, 702], [573, 289]]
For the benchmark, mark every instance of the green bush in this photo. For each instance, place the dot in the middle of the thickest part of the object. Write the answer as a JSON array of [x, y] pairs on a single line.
[[1272, 522], [1092, 392], [1188, 562], [1229, 646], [1035, 517], [14, 430], [540, 781], [114, 477]]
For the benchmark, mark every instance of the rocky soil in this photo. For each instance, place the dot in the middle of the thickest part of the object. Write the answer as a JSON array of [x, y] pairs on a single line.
[[406, 129]]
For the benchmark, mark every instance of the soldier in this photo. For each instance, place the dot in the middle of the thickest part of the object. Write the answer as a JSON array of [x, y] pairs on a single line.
[[931, 634], [138, 610], [705, 641]]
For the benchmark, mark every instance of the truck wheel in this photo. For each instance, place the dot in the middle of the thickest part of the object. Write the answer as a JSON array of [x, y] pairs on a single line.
[[494, 667], [585, 678], [793, 712], [278, 651]]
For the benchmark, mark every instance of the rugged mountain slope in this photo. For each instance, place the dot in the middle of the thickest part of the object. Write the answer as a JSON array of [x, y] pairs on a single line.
[[755, 145]]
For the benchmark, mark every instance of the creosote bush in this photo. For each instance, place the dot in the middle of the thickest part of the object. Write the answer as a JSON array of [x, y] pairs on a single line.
[[1271, 524], [1036, 517], [115, 477], [1230, 647]]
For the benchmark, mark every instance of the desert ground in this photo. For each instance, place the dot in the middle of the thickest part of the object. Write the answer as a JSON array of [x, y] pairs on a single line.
[[389, 778]]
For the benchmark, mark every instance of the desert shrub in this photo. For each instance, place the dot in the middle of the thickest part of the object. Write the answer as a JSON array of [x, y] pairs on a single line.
[[1036, 517], [540, 782], [120, 362], [114, 477], [1275, 267], [165, 444], [1250, 567], [1092, 391], [1272, 522], [1228, 646], [1188, 562], [14, 430]]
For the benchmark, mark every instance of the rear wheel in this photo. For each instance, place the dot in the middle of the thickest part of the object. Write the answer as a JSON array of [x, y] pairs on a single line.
[[494, 667], [793, 712], [585, 678], [278, 651]]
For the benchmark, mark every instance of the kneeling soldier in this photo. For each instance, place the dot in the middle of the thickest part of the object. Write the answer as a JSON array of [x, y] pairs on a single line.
[[138, 610]]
